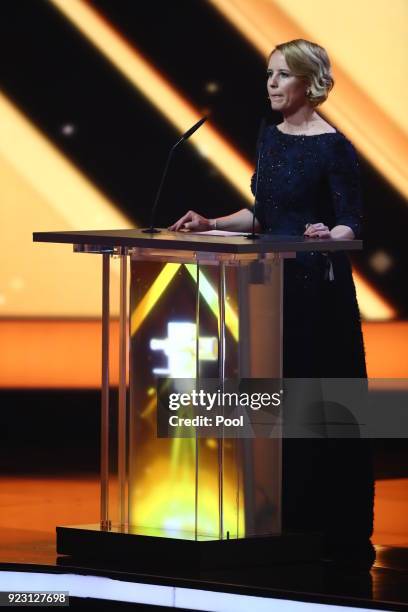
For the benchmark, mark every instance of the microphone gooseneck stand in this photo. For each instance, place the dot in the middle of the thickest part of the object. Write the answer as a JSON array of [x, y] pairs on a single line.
[[190, 132], [253, 235]]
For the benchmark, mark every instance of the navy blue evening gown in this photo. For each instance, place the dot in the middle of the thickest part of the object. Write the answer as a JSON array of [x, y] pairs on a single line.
[[328, 484]]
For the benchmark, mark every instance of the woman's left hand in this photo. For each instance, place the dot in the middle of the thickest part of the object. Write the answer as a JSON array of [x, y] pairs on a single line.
[[317, 230]]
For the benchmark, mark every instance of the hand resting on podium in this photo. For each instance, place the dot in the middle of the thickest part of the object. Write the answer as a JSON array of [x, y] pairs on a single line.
[[240, 221]]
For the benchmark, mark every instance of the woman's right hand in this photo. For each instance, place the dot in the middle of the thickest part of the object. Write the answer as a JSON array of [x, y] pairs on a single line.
[[192, 221]]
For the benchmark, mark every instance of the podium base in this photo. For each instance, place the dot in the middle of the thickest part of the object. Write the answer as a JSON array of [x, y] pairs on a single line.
[[128, 549]]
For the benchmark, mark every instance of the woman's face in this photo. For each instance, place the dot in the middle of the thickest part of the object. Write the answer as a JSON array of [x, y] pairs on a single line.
[[286, 91]]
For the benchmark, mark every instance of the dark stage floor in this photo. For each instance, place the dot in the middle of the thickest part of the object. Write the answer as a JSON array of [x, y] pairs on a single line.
[[28, 548], [385, 587]]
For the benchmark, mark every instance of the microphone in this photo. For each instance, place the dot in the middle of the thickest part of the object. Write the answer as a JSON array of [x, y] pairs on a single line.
[[191, 131], [184, 137], [259, 141]]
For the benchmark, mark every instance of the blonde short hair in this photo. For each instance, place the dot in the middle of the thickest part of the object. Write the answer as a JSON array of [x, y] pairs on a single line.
[[311, 62]]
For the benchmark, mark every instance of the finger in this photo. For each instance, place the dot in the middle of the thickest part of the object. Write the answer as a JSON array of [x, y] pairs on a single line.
[[179, 226], [193, 225], [176, 225], [311, 231], [181, 222], [321, 234]]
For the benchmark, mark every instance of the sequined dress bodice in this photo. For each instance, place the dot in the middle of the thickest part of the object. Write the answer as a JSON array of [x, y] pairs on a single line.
[[307, 179]]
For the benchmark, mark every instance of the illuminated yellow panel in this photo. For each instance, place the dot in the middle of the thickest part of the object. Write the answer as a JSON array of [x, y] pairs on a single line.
[[168, 500], [367, 116]]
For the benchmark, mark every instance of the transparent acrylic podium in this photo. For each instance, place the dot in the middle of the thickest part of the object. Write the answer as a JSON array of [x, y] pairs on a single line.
[[200, 488], [190, 307]]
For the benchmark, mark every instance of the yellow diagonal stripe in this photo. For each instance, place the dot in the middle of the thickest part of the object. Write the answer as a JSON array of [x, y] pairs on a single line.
[[153, 294], [211, 297], [161, 283]]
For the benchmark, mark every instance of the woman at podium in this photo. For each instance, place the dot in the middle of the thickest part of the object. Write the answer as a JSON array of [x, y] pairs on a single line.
[[307, 183]]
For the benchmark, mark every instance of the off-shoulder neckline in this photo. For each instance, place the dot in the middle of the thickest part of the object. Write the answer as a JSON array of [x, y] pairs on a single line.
[[306, 135]]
